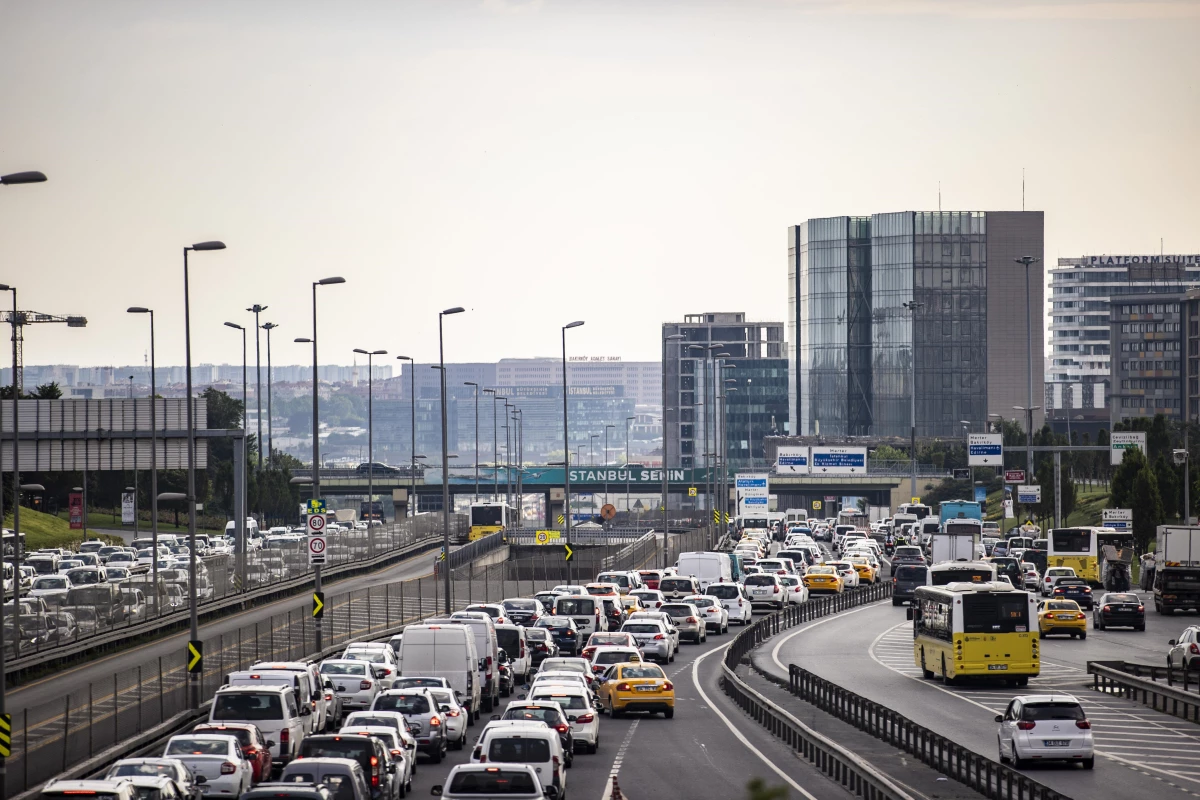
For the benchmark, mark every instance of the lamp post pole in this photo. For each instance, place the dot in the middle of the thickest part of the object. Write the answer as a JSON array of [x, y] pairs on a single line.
[[268, 327], [495, 449], [476, 385], [1028, 261], [153, 461], [567, 444], [370, 354], [240, 525], [519, 442], [666, 463], [606, 427], [258, 309], [412, 406], [193, 620], [445, 456], [913, 306], [628, 510]]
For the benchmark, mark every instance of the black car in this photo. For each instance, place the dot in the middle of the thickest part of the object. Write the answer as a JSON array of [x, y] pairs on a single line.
[[907, 554], [1119, 609], [524, 611], [1076, 589], [1007, 565], [376, 468], [564, 633], [905, 580], [541, 645]]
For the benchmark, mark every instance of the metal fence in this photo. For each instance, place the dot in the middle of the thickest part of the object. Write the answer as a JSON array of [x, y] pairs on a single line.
[[218, 580], [54, 736], [1128, 680]]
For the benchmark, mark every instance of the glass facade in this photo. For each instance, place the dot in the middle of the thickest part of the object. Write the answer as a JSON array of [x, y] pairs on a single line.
[[822, 289]]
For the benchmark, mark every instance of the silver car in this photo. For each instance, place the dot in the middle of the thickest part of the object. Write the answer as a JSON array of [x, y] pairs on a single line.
[[652, 638], [688, 620]]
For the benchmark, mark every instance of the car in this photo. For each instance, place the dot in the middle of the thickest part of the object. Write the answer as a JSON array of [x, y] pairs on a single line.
[[1119, 609], [378, 653], [614, 638], [367, 752], [346, 775], [712, 611], [523, 610], [171, 768], [255, 747], [847, 572], [1076, 589], [291, 791], [272, 707], [392, 720], [550, 713], [823, 578], [216, 758], [1061, 616], [107, 789], [401, 752], [1185, 651], [735, 601], [353, 680], [795, 589], [650, 578], [493, 782], [1048, 727], [636, 687], [608, 655], [564, 633], [541, 645], [546, 598], [528, 742], [157, 788], [511, 639], [453, 714], [564, 678], [496, 611], [425, 720], [652, 638], [765, 590], [688, 621], [868, 571], [580, 709], [1032, 580], [1052, 575], [51, 586], [677, 587]]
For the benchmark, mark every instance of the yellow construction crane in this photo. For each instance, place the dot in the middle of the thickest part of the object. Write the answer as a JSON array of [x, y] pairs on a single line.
[[24, 318]]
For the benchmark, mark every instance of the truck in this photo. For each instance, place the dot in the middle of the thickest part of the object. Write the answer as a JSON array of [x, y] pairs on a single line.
[[958, 540], [959, 509], [1177, 569]]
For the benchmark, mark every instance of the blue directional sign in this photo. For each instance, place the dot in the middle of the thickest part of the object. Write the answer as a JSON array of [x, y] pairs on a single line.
[[985, 450], [838, 461]]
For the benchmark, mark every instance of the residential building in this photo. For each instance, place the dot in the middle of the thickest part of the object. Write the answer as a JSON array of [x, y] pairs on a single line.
[[1147, 364]]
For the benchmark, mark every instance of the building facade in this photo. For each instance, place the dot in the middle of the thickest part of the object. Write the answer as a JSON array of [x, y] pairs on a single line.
[[757, 378], [1081, 375], [1146, 369], [876, 302]]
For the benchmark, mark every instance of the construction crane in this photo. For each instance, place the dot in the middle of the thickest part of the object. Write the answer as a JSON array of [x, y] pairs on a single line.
[[24, 318]]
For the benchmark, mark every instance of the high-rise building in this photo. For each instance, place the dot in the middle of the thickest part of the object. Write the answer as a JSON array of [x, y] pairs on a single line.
[[1146, 365], [757, 405], [868, 296], [1079, 379]]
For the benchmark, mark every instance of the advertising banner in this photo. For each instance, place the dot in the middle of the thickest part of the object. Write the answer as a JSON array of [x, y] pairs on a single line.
[[75, 506], [127, 508]]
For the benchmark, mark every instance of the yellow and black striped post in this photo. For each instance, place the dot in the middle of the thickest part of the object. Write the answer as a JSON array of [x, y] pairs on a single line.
[[5, 735]]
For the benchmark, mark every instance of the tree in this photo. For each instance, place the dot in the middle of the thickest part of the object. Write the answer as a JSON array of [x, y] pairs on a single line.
[[1147, 507], [1158, 437], [1132, 462], [757, 789], [1170, 486], [48, 391], [1045, 479]]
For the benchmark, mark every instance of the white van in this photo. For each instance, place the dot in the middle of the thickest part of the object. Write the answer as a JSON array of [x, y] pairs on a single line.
[[486, 649], [794, 516], [521, 742], [706, 567], [446, 651], [251, 528], [301, 682], [512, 639], [586, 611], [273, 708]]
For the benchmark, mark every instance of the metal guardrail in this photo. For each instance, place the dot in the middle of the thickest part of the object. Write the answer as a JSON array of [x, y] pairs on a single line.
[[1123, 679], [852, 772], [990, 778]]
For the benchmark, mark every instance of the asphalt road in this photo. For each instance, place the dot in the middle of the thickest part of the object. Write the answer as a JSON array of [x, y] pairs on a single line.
[[1141, 752]]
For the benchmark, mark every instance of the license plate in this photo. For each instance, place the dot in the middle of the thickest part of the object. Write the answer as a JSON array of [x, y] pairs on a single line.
[[646, 688], [760, 591], [997, 666], [1064, 616], [1056, 742]]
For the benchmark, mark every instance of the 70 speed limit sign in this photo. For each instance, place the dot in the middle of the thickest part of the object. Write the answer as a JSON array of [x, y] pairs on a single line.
[[316, 538]]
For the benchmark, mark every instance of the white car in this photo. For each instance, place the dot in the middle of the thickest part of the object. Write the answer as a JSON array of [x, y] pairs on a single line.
[[735, 600], [765, 590], [520, 782], [580, 708], [712, 611], [1051, 578], [1045, 727], [846, 572], [215, 757], [403, 752], [649, 599], [50, 585], [378, 653], [353, 680], [795, 589], [454, 715]]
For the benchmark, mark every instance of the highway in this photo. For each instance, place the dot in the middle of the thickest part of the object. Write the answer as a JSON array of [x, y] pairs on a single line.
[[1140, 752]]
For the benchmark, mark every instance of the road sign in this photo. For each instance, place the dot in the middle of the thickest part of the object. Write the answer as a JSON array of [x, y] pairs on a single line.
[[980, 494], [560, 519], [542, 537], [1029, 495], [195, 656], [716, 516], [316, 524], [5, 735], [1126, 440], [816, 505], [316, 506], [1120, 519], [318, 605], [985, 449], [1014, 476], [838, 461], [608, 511], [791, 460], [916, 501], [691, 491], [961, 474], [569, 550], [316, 549]]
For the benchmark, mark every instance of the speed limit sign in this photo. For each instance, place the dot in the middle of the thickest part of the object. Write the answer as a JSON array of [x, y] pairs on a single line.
[[316, 524], [316, 538]]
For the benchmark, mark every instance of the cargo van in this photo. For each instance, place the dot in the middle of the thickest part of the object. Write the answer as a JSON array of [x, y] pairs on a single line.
[[585, 610], [486, 650], [706, 567], [300, 682], [446, 651]]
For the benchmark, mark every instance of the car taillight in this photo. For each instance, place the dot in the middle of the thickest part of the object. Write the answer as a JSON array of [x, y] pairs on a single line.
[[1080, 616], [622, 687], [659, 636], [1058, 591], [374, 780], [284, 736], [397, 753], [1108, 608], [452, 713], [562, 727], [775, 589], [489, 661], [1083, 723], [250, 751], [693, 619], [228, 768], [364, 685], [1141, 608], [328, 697], [1087, 590], [435, 722], [584, 719], [522, 651], [1194, 648], [668, 686], [1025, 725]]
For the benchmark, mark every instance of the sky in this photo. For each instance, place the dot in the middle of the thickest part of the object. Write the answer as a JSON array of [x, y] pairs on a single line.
[[543, 161]]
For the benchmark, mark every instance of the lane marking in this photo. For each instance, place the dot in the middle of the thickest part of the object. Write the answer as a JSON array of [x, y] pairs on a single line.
[[732, 729]]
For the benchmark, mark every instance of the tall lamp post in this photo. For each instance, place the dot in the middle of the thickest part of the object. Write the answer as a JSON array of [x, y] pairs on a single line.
[[370, 354], [913, 306], [240, 525], [627, 470], [666, 463], [567, 444], [1029, 473], [193, 620], [318, 638], [268, 327], [495, 449], [445, 455], [153, 459], [606, 428], [476, 385], [258, 309], [412, 403]]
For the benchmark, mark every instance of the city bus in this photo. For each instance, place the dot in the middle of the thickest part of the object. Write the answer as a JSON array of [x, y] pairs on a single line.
[[981, 630], [918, 510], [1078, 548], [980, 572], [852, 516], [488, 518]]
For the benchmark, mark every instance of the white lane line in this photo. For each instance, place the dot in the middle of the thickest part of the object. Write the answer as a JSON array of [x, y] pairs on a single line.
[[1107, 754], [620, 759], [733, 729]]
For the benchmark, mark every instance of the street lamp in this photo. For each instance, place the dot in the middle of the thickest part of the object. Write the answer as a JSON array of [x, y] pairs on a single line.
[[912, 307], [627, 421], [258, 309], [193, 619], [666, 464], [1028, 261], [240, 525], [153, 458], [445, 454], [476, 385], [268, 327], [495, 448], [567, 441], [370, 354], [412, 402], [316, 434], [606, 427]]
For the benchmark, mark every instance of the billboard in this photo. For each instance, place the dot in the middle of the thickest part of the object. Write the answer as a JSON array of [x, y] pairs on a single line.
[[838, 461], [1126, 440], [984, 450], [128, 511], [792, 461], [75, 506]]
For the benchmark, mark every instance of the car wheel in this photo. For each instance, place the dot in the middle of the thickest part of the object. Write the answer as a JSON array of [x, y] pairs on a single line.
[[669, 713], [1000, 752], [592, 748], [895, 601], [487, 703], [613, 712], [1098, 624], [1083, 634], [436, 756], [1089, 763], [1141, 627]]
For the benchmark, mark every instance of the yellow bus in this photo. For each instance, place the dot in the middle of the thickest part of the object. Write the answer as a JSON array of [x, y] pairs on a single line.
[[1079, 548], [982, 630], [488, 518]]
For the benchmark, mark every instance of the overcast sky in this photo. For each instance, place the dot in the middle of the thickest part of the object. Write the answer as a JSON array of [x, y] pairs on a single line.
[[618, 162]]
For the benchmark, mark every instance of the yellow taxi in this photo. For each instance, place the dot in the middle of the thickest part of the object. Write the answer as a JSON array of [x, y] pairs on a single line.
[[630, 604], [820, 578], [636, 687], [867, 572], [1061, 616], [602, 589]]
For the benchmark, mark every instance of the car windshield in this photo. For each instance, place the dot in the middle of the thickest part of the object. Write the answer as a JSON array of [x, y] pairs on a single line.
[[153, 770], [242, 705], [675, 585], [520, 605], [521, 750], [1063, 606], [494, 613], [405, 683], [197, 747], [374, 656], [908, 552], [242, 734], [676, 609], [539, 713], [339, 747], [343, 669], [723, 591], [576, 605], [910, 571], [614, 656], [404, 703], [50, 583], [821, 570], [1043, 711], [760, 580], [493, 782], [508, 639], [1123, 598], [642, 672], [641, 627], [571, 701]]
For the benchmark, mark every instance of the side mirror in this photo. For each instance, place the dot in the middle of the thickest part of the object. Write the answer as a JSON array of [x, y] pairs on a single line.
[[1172, 642], [436, 790], [521, 697], [200, 779], [270, 742], [305, 711], [551, 792], [999, 718], [392, 769], [494, 716], [444, 709]]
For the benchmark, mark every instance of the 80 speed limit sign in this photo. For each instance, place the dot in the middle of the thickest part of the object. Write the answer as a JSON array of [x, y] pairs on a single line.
[[316, 539]]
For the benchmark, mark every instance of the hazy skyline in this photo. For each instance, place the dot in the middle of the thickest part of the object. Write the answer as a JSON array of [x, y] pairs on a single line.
[[540, 162]]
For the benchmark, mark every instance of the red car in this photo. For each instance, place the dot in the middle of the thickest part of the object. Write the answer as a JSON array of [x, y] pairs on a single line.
[[650, 578], [254, 745]]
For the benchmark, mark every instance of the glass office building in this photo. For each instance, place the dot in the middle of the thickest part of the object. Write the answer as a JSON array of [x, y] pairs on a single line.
[[872, 297]]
